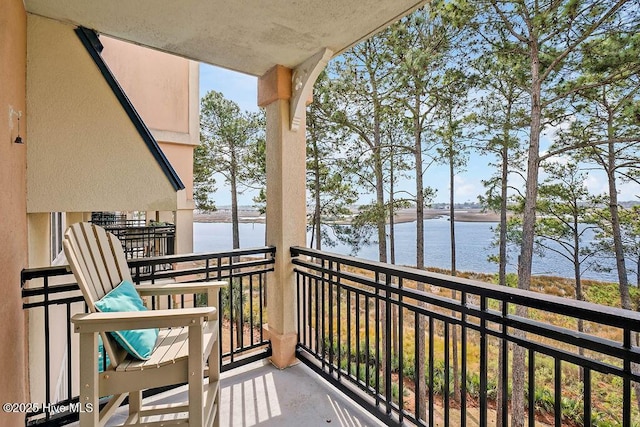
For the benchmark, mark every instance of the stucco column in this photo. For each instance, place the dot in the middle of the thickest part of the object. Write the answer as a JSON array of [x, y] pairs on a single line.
[[286, 209]]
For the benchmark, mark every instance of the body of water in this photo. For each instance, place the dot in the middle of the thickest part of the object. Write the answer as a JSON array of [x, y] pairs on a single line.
[[472, 249]]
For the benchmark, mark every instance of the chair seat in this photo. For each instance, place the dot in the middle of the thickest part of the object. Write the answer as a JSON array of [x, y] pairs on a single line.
[[172, 346]]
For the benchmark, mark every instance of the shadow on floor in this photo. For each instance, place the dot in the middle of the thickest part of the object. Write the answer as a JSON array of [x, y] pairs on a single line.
[[261, 395]]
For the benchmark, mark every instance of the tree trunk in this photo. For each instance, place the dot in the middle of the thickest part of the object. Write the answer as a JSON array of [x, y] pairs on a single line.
[[502, 255], [528, 234], [623, 280], [422, 322], [452, 229], [234, 212], [618, 247], [380, 218], [392, 251], [578, 277]]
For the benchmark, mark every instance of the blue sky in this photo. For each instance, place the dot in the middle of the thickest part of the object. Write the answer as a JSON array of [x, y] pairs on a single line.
[[242, 89]]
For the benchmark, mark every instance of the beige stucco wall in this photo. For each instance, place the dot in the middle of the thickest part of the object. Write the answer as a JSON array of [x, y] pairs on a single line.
[[157, 83], [165, 91], [84, 153], [181, 158], [13, 227]]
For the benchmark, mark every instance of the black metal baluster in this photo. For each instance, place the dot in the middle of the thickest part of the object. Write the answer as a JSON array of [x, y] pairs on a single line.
[[431, 403], [388, 323], [323, 316], [251, 325], [367, 344], [348, 332], [626, 381], [532, 387], [504, 365], [418, 370], [357, 295], [339, 320], [47, 346], [331, 314], [483, 362], [69, 373], [445, 373], [317, 326], [260, 278], [400, 356], [587, 397], [299, 311], [463, 363], [557, 391], [240, 333]]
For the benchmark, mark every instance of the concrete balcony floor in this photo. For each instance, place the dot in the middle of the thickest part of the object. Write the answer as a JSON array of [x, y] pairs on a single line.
[[261, 395]]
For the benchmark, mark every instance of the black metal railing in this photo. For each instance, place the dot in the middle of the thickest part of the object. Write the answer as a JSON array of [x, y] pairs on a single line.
[[105, 219], [143, 241], [367, 328], [109, 218], [51, 296]]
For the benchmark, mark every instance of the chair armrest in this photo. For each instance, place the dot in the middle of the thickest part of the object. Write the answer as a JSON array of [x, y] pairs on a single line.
[[179, 288], [127, 320]]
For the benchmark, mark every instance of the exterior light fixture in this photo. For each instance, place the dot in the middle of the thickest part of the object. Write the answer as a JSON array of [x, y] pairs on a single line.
[[18, 115]]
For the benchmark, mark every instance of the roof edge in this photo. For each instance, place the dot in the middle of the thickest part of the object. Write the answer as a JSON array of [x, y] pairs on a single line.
[[92, 44]]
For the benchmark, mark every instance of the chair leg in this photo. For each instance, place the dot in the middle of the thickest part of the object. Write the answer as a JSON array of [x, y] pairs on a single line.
[[214, 375], [216, 419], [89, 399], [213, 299], [135, 402], [196, 376]]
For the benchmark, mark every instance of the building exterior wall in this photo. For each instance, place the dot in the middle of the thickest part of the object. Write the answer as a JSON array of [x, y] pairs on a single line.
[[84, 152], [13, 227], [164, 89], [181, 158], [156, 83]]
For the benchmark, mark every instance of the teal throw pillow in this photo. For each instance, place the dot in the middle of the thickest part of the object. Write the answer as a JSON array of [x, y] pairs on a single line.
[[137, 342]]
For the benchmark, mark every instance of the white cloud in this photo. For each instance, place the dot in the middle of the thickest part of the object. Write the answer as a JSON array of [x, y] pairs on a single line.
[[561, 160], [596, 182], [465, 190], [629, 191]]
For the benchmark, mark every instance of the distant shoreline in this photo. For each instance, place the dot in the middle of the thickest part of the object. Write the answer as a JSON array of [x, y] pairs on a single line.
[[402, 216]]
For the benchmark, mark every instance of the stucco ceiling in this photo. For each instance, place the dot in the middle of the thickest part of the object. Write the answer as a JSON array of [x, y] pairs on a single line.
[[249, 36]]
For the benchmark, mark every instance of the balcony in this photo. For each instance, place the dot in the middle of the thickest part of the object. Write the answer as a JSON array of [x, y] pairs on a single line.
[[139, 240], [357, 323]]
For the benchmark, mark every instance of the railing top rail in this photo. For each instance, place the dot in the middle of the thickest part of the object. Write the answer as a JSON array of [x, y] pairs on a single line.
[[585, 310], [200, 256], [34, 273], [39, 272]]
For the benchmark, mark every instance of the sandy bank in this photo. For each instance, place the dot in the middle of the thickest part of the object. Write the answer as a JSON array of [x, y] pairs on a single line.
[[404, 215]]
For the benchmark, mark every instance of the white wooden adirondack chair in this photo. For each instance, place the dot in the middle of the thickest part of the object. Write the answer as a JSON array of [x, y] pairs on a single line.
[[182, 348]]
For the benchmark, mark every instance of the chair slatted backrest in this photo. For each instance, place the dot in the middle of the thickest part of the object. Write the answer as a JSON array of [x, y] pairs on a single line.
[[98, 262]]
